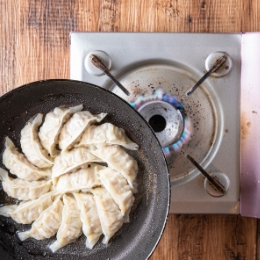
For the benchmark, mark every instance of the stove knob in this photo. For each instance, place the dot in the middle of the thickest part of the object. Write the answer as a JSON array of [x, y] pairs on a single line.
[[213, 191], [224, 69], [91, 68]]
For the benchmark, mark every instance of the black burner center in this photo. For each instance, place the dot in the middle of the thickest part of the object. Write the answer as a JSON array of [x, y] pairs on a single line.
[[158, 123]]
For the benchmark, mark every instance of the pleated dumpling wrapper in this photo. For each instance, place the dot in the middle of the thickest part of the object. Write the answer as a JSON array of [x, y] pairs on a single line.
[[109, 214], [86, 178], [118, 159], [91, 225], [28, 211], [106, 133], [119, 189], [72, 131], [31, 145], [70, 161], [47, 224], [22, 189], [18, 165], [52, 125], [71, 226]]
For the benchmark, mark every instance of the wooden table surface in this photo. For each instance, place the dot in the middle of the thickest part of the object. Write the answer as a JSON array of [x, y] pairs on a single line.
[[34, 45]]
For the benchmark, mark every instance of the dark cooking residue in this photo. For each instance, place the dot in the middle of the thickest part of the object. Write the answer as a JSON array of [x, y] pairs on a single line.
[[7, 229]]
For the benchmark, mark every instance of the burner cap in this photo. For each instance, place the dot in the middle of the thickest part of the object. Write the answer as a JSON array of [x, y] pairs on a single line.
[[165, 120]]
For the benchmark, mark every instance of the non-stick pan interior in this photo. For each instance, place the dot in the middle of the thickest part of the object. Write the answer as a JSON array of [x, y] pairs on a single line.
[[135, 240]]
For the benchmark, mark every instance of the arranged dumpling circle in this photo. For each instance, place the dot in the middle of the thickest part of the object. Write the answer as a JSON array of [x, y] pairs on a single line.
[[73, 177]]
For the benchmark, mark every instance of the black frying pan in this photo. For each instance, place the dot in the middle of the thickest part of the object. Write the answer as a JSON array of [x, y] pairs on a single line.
[[135, 240]]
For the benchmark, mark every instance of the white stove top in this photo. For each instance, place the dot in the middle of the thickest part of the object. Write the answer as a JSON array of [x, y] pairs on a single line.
[[173, 62]]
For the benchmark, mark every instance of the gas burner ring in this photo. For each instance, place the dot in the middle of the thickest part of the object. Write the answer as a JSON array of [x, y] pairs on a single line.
[[165, 120]]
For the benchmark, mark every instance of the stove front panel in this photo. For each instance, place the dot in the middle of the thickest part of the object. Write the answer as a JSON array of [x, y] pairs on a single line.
[[175, 61]]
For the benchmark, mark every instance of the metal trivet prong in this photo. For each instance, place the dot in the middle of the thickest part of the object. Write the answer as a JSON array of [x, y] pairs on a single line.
[[214, 181], [219, 62], [99, 64]]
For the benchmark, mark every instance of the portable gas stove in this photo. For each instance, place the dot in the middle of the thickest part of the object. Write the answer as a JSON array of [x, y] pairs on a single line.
[[158, 69]]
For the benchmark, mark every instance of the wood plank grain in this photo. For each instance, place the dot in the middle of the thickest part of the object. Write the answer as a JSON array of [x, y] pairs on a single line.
[[9, 25], [213, 237], [34, 45]]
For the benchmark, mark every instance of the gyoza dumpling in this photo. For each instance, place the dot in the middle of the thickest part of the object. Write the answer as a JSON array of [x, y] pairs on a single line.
[[19, 165], [119, 189], [8, 210], [51, 127], [89, 217], [69, 161], [22, 189], [109, 214], [71, 226], [31, 145], [28, 211], [72, 131], [86, 177], [118, 159], [47, 224], [106, 133]]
